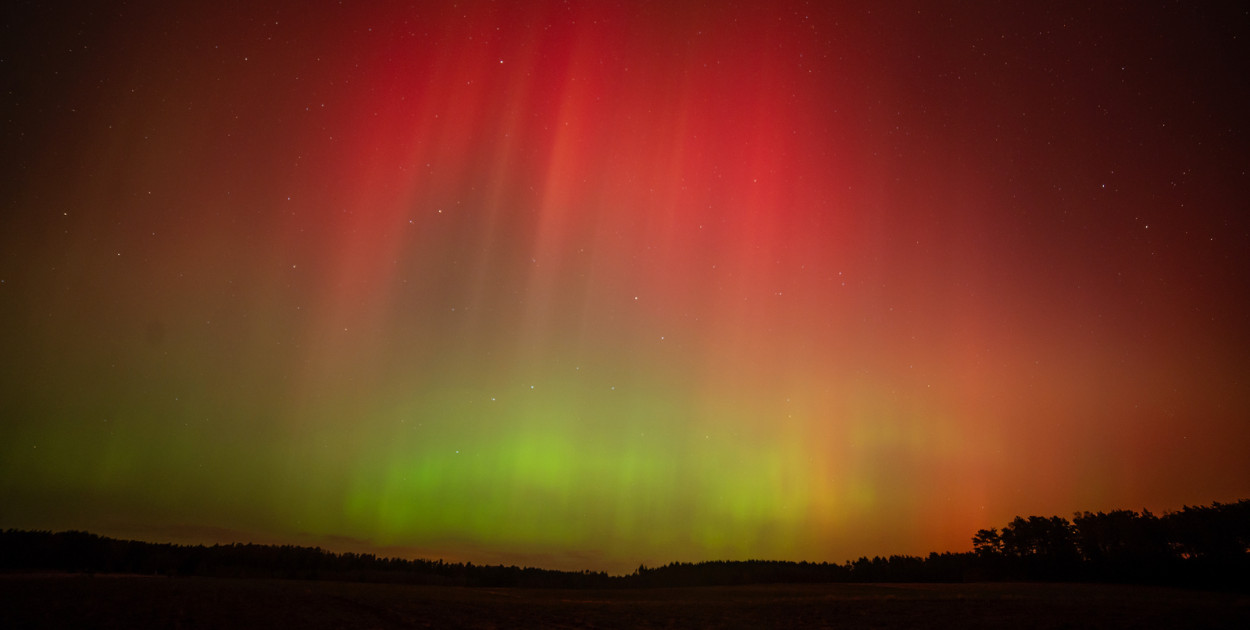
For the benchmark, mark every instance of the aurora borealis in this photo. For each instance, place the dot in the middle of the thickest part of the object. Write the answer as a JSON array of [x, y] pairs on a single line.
[[587, 285]]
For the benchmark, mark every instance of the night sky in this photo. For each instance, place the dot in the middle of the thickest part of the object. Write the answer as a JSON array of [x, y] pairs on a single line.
[[587, 285]]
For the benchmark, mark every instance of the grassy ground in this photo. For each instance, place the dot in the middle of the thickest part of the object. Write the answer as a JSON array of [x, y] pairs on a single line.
[[151, 602]]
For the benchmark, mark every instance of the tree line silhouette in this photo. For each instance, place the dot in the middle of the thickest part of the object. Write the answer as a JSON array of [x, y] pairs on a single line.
[[1207, 547]]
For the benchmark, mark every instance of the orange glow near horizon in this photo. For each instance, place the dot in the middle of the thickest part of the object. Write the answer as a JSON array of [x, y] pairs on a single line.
[[588, 287]]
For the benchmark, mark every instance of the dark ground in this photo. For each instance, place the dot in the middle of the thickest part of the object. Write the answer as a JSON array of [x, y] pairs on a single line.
[[76, 601]]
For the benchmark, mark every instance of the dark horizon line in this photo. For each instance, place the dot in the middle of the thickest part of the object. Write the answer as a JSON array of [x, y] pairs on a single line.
[[1195, 545]]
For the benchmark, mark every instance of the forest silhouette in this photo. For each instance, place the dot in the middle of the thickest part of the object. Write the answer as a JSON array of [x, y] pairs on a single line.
[[1202, 547]]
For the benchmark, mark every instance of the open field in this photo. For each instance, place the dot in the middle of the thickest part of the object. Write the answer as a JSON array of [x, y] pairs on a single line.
[[53, 601]]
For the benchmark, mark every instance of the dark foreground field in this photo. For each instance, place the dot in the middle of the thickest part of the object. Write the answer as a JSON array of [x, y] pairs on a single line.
[[52, 601]]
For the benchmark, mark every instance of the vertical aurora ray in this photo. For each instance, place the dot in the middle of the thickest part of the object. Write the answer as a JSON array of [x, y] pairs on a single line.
[[588, 286]]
